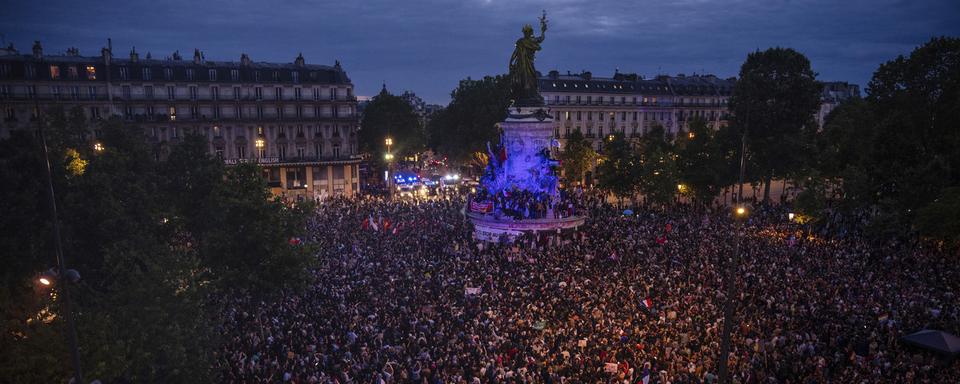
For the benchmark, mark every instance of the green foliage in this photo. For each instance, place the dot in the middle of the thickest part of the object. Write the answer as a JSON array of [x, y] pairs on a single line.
[[620, 171], [390, 116], [576, 157], [471, 118], [941, 218], [659, 174], [774, 99], [896, 151], [152, 241], [700, 161]]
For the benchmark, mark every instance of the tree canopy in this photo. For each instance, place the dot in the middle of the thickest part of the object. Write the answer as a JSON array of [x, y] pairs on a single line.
[[471, 118], [390, 116]]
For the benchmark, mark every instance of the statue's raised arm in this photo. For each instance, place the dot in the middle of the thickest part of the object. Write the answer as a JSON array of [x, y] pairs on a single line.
[[523, 74]]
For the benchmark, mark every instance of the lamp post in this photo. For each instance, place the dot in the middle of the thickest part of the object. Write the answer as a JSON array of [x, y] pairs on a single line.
[[389, 158], [58, 249], [259, 144], [732, 265]]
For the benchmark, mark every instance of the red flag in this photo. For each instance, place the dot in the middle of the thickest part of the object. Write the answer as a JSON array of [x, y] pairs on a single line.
[[661, 240], [366, 224], [647, 303], [669, 227]]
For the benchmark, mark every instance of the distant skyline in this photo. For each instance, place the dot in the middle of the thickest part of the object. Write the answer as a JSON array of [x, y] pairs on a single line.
[[428, 46]]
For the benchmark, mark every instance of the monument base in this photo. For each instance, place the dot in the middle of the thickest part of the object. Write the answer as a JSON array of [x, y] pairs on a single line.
[[489, 228]]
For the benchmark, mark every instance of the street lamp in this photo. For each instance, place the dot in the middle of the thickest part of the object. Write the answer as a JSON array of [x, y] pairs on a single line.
[[388, 157], [98, 147], [259, 144]]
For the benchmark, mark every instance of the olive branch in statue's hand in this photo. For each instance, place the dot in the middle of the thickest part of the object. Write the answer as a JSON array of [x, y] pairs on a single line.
[[543, 22]]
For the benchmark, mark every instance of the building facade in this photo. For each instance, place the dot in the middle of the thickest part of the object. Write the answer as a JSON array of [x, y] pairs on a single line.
[[297, 120], [629, 104], [834, 93]]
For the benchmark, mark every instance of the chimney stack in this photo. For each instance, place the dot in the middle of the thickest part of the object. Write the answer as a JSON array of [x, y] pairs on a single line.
[[37, 50], [196, 56], [244, 60], [299, 60], [134, 56]]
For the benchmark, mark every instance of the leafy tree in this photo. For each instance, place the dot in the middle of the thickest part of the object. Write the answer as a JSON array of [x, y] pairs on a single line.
[[149, 238], [700, 161], [938, 220], [388, 115], [471, 118], [774, 100], [576, 157], [620, 170], [659, 174]]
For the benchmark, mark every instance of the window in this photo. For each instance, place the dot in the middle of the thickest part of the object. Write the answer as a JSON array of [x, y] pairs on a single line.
[[238, 112], [75, 93], [579, 115], [31, 91], [296, 76], [256, 76], [30, 71], [297, 177], [125, 91], [280, 113], [216, 131], [215, 93], [193, 93], [236, 93], [634, 116], [623, 116], [189, 74], [318, 151], [218, 151], [174, 132], [282, 151], [128, 113], [336, 152], [171, 93], [92, 93], [148, 92], [4, 91], [4, 70], [566, 115], [172, 111], [11, 114], [299, 111], [578, 99], [194, 112], [234, 75], [241, 152], [276, 76], [216, 112], [316, 94], [296, 93], [279, 93], [95, 113], [212, 74], [333, 93], [91, 72], [259, 93], [147, 75], [300, 130], [54, 72], [589, 115], [168, 73], [260, 116], [124, 74]]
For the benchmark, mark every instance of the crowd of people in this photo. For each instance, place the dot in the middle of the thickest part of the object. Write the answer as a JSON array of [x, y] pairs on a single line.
[[525, 204], [627, 299]]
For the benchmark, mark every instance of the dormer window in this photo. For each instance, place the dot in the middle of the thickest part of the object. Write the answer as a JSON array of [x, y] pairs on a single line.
[[189, 74], [168, 73], [54, 72]]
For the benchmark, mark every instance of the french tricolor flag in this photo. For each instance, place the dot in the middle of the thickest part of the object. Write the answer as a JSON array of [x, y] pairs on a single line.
[[647, 303]]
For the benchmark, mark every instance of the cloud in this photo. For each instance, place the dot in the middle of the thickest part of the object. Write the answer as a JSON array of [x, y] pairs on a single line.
[[428, 45]]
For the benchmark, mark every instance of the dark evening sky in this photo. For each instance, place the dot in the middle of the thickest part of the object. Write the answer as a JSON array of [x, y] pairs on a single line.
[[427, 46]]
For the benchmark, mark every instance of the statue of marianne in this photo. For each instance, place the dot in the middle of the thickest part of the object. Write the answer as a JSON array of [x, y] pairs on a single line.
[[523, 75]]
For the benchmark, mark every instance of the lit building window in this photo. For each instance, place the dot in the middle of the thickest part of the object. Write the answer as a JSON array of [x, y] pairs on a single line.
[[91, 72], [54, 72]]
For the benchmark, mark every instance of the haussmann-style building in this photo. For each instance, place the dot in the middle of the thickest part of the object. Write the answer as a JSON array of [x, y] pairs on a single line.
[[297, 120]]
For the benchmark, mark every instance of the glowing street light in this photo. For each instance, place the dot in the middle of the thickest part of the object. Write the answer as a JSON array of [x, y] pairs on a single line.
[[741, 211], [98, 147], [388, 157], [790, 216], [45, 281], [388, 141], [690, 135], [258, 143]]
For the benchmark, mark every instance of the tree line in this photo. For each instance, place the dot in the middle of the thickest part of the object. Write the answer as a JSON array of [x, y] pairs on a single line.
[[890, 157], [158, 240]]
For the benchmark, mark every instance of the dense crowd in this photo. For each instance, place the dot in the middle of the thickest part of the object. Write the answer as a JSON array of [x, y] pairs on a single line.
[[627, 299], [523, 204]]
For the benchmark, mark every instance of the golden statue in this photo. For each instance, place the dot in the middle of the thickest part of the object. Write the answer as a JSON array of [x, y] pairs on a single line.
[[523, 75]]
